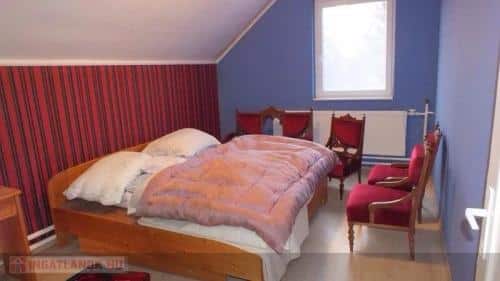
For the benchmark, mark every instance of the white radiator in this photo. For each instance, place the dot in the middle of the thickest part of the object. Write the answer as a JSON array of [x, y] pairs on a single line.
[[385, 131]]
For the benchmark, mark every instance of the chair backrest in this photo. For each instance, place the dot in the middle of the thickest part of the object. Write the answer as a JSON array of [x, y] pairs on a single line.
[[347, 132], [248, 123], [416, 162], [422, 183], [434, 139], [272, 113], [297, 124]]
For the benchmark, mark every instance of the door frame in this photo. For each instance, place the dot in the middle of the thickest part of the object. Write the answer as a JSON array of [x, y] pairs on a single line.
[[481, 264]]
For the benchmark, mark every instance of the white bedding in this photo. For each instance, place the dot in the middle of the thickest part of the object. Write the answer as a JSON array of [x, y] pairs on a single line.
[[274, 265]]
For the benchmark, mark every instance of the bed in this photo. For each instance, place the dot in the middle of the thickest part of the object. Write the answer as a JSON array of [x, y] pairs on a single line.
[[108, 230]]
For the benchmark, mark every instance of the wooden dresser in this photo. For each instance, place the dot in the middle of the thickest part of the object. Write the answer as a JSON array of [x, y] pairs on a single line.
[[13, 236]]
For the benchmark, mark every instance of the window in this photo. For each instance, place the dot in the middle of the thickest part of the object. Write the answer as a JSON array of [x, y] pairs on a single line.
[[354, 49]]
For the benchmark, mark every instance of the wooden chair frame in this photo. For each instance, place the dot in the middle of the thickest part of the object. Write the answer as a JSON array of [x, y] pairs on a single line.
[[415, 196], [271, 112], [108, 230], [333, 143]]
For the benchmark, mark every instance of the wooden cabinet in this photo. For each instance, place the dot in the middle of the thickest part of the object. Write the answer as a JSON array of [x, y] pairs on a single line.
[[13, 236]]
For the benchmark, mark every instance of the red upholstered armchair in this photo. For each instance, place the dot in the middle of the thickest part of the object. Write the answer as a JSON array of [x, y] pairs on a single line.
[[404, 176], [297, 125], [388, 208], [346, 140]]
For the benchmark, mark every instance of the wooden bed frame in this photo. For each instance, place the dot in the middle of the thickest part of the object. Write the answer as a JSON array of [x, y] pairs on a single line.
[[104, 230]]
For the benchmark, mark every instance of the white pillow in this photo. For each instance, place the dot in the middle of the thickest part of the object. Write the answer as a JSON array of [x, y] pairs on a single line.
[[184, 142], [158, 163], [105, 181]]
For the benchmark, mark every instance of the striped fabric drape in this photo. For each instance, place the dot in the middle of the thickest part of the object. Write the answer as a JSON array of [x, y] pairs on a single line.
[[55, 117]]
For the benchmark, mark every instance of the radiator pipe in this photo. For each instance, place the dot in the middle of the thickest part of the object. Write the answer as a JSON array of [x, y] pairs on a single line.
[[425, 114]]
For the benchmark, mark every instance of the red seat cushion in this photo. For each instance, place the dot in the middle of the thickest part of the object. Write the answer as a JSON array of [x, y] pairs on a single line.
[[363, 194], [337, 171], [344, 167], [381, 172]]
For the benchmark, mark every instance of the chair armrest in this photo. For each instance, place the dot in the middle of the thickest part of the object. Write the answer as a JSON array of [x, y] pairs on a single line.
[[393, 182], [394, 178], [372, 207], [400, 165]]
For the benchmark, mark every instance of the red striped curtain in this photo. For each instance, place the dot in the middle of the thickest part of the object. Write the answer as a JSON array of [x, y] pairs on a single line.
[[52, 118]]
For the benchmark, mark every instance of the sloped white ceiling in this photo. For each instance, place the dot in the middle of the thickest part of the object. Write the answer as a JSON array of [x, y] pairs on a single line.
[[122, 30]]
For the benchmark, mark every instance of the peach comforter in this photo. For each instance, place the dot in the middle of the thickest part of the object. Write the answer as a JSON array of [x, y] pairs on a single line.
[[258, 182]]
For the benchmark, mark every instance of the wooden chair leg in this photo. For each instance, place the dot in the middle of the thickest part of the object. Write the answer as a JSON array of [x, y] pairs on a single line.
[[411, 242], [351, 237], [420, 214], [341, 188]]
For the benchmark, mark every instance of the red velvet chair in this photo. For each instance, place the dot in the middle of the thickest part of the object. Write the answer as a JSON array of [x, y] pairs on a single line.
[[405, 175], [346, 140], [388, 208], [397, 171], [297, 125]]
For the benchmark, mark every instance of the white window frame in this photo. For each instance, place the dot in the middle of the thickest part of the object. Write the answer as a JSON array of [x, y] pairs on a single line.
[[386, 94]]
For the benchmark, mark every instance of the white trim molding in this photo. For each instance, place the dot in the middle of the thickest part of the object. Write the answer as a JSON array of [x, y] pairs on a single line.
[[245, 31], [40, 244], [59, 62], [40, 232]]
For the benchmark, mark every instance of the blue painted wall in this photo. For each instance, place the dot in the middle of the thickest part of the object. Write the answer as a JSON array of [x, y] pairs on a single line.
[[469, 44], [274, 63]]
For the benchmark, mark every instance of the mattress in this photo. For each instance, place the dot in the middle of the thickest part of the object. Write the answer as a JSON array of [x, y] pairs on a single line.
[[274, 264]]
